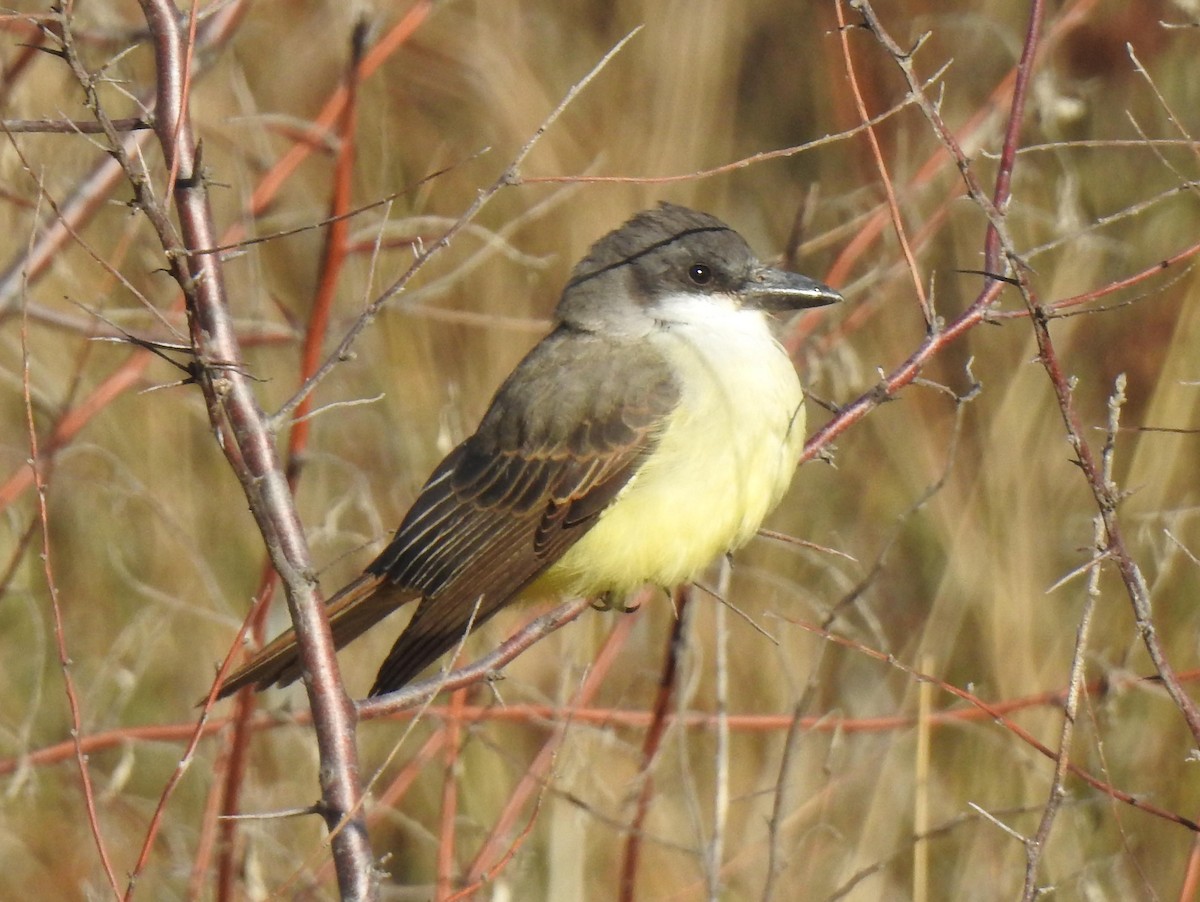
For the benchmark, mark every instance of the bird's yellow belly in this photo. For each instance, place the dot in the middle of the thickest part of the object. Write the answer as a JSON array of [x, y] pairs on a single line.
[[723, 461]]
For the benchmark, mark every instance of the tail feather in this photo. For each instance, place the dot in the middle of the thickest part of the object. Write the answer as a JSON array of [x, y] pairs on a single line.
[[352, 611], [436, 627]]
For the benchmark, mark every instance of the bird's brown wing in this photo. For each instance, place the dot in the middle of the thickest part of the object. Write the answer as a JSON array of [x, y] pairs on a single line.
[[561, 439]]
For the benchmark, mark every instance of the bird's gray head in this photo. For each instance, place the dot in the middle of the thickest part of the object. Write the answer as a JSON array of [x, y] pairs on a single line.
[[671, 251]]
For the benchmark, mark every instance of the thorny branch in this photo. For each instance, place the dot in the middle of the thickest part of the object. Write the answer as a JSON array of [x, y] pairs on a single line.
[[1110, 543], [238, 421], [1105, 494], [1035, 845]]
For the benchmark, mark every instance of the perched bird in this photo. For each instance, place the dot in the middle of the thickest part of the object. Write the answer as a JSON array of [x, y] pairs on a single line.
[[650, 432]]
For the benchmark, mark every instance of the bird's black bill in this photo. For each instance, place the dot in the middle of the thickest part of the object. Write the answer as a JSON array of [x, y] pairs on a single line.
[[777, 291]]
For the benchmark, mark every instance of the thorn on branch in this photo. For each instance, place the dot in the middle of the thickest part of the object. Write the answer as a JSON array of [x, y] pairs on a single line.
[[331, 815], [993, 276], [195, 178], [880, 395], [906, 56], [189, 182], [1041, 320], [192, 369], [824, 404], [61, 54], [359, 40]]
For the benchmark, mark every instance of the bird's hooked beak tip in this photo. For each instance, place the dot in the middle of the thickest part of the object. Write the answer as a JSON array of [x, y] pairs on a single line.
[[778, 291]]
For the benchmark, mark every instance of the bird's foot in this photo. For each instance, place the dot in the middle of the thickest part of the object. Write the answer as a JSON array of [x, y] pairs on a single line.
[[610, 602]]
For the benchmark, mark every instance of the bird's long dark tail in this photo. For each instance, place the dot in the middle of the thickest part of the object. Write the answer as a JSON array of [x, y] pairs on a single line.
[[352, 611]]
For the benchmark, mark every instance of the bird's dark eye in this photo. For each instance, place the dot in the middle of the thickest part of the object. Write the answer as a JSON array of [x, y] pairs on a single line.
[[700, 274]]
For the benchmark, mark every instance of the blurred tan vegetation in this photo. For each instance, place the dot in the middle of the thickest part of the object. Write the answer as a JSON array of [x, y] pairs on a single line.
[[961, 519]]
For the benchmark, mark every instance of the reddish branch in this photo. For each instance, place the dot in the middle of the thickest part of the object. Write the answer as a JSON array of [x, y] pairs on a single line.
[[1000, 712], [92, 743], [94, 189], [61, 227], [1001, 249], [650, 746], [1105, 495], [490, 856], [994, 713], [248, 444], [447, 826], [60, 639], [332, 262]]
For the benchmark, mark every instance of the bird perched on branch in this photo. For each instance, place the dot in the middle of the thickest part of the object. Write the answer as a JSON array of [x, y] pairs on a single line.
[[650, 432]]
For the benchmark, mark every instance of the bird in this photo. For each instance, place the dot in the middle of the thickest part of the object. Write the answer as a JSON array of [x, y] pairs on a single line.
[[650, 432]]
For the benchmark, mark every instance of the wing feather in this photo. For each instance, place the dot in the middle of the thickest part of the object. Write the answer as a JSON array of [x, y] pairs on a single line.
[[551, 453]]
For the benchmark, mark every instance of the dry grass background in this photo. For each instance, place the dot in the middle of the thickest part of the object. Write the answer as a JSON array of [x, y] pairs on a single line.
[[156, 557]]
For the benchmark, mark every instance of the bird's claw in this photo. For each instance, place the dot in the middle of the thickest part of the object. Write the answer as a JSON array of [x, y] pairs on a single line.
[[608, 602]]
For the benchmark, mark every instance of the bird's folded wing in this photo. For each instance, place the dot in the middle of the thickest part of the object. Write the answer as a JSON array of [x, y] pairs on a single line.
[[510, 501]]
